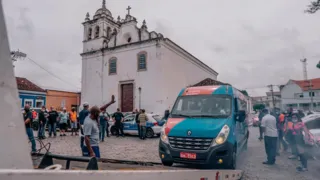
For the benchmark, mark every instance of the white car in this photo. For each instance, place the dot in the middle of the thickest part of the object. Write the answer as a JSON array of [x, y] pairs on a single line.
[[130, 126]]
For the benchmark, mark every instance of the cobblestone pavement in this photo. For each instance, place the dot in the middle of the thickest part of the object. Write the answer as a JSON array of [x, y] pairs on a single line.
[[132, 148]]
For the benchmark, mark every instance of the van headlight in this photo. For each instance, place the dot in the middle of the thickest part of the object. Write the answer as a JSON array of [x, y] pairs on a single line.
[[222, 136], [163, 136]]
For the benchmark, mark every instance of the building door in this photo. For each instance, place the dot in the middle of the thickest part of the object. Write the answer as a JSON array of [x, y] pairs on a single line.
[[127, 97]]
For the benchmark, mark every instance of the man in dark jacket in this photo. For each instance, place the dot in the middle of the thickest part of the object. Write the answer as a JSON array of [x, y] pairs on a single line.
[[261, 114], [42, 123], [53, 115], [137, 121], [82, 115]]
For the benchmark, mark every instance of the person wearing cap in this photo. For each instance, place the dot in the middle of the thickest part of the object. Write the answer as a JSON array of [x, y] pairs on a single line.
[[63, 122], [82, 116], [270, 130]]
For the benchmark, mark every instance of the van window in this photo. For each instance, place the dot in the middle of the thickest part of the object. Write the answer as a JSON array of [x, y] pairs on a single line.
[[203, 105]]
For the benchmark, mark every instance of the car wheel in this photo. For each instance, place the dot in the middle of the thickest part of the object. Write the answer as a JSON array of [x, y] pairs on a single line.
[[167, 163], [149, 133], [113, 131]]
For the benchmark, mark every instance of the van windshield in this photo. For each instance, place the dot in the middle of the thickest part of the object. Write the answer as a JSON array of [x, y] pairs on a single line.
[[202, 106]]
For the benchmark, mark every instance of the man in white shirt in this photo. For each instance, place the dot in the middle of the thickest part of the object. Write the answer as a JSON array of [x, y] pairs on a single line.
[[269, 127]]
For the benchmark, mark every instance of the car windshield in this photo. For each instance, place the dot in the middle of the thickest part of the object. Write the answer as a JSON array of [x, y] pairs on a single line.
[[203, 106]]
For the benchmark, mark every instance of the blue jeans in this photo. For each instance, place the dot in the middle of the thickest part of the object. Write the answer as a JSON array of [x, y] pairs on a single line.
[[96, 151], [31, 139], [143, 130], [102, 132], [52, 129], [41, 130]]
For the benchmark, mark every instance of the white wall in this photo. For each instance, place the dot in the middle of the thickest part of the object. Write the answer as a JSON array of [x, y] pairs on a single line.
[[180, 72], [167, 73]]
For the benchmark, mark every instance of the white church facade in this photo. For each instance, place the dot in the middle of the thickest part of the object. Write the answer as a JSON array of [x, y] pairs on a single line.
[[142, 68]]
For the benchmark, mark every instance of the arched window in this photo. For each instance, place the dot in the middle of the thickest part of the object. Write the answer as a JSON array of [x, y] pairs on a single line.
[[142, 61], [97, 32], [113, 66], [90, 34], [108, 32]]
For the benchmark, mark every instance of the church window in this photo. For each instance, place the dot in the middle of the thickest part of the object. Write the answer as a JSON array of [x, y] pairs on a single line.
[[113, 66], [89, 34], [129, 40], [97, 32], [142, 61]]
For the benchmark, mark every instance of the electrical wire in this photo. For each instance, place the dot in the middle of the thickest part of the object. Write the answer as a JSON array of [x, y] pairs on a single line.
[[52, 74]]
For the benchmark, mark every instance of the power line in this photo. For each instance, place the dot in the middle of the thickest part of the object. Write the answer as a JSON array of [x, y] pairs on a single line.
[[52, 73]]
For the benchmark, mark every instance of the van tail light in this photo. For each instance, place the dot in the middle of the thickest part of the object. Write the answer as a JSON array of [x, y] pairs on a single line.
[[155, 123]]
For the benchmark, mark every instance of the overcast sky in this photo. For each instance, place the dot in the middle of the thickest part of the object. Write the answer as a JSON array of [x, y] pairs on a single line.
[[250, 43]]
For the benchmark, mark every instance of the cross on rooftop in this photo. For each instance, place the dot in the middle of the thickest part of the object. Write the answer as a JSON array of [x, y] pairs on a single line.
[[128, 9]]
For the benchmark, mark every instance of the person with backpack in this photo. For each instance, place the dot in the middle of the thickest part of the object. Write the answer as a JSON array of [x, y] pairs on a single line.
[[27, 117]]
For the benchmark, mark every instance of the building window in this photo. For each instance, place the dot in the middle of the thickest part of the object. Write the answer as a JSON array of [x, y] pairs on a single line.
[[89, 34], [29, 102], [97, 32], [39, 103], [142, 61], [113, 66], [298, 95]]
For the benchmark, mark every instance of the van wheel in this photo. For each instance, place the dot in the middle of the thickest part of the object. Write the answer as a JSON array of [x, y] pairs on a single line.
[[113, 131], [149, 133], [167, 163]]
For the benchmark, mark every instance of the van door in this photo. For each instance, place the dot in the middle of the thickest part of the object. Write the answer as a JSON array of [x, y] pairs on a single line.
[[242, 105], [238, 128]]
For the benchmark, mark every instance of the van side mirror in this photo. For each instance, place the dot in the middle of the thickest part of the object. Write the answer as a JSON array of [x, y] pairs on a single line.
[[240, 115]]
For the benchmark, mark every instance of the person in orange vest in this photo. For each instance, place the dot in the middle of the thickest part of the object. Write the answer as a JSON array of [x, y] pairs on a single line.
[[34, 114], [281, 121], [74, 123], [288, 134]]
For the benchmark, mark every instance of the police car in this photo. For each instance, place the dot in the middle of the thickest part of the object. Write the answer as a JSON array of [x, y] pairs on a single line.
[[130, 126]]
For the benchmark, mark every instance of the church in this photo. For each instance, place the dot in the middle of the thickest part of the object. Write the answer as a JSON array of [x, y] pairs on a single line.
[[141, 67]]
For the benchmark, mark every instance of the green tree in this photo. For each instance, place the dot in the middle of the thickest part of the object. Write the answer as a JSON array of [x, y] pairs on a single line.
[[258, 107], [318, 65], [313, 7], [244, 92]]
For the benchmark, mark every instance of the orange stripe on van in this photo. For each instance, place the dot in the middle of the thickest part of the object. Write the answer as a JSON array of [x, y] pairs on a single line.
[[201, 90], [171, 123]]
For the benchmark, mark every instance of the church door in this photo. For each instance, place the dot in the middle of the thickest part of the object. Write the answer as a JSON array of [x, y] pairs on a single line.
[[127, 97]]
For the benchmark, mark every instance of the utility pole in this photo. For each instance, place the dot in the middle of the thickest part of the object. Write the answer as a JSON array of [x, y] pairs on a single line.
[[272, 95], [305, 76]]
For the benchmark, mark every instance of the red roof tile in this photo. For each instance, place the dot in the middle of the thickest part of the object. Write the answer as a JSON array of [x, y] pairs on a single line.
[[25, 84], [304, 84]]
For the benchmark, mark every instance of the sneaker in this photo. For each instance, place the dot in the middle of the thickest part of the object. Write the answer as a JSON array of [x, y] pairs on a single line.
[[292, 157], [60, 134], [267, 163], [301, 169], [64, 135]]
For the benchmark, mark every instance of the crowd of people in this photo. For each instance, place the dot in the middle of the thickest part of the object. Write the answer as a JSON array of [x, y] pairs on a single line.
[[283, 131], [92, 123]]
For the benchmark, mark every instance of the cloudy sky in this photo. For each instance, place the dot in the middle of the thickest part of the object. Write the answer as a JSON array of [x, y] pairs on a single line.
[[251, 43]]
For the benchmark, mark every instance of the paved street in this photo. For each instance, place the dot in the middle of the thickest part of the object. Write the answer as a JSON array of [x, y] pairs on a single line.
[[132, 148]]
